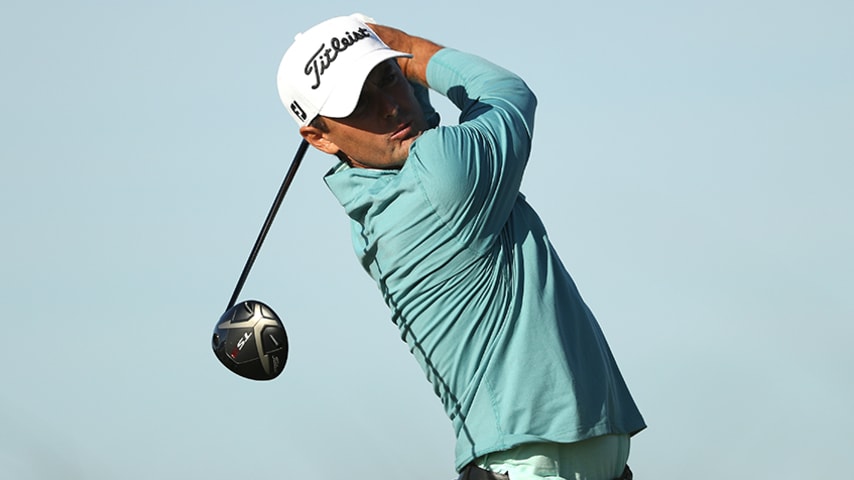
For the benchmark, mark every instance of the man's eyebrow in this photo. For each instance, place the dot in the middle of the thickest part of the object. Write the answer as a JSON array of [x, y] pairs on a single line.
[[386, 66], [378, 72]]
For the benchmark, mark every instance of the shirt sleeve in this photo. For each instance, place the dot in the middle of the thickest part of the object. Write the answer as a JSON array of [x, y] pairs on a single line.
[[471, 173]]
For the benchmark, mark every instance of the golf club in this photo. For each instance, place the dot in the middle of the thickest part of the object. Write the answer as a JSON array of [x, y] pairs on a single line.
[[249, 338]]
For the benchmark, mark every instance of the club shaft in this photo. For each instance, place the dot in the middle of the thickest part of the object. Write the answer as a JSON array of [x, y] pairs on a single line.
[[289, 177]]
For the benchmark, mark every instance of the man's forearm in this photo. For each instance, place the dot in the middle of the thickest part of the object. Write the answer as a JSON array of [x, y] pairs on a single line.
[[415, 68]]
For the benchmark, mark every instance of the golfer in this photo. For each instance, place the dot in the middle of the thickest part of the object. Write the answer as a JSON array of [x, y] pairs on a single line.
[[463, 262]]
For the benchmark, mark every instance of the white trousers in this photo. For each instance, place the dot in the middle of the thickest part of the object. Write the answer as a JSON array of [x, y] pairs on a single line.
[[598, 458]]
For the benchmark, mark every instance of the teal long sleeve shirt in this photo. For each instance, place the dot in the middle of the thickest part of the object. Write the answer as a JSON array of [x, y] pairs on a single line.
[[473, 283]]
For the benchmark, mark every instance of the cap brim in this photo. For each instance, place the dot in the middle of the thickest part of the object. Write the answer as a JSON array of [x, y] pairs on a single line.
[[345, 96]]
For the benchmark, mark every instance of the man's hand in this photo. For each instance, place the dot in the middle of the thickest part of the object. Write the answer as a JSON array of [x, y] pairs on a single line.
[[415, 68]]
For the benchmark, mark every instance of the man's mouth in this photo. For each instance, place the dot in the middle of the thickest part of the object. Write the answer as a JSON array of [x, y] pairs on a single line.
[[402, 132]]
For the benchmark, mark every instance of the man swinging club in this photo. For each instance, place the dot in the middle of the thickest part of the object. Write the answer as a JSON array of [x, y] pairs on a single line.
[[463, 262]]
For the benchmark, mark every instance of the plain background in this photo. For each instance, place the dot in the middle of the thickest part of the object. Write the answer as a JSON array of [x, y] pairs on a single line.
[[692, 161]]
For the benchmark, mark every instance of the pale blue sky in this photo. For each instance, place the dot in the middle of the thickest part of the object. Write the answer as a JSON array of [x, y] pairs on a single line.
[[692, 161]]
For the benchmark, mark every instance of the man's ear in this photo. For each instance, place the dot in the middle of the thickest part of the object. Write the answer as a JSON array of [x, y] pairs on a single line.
[[318, 140]]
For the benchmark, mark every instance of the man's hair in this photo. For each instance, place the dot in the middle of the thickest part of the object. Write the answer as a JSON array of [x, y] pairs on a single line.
[[320, 124]]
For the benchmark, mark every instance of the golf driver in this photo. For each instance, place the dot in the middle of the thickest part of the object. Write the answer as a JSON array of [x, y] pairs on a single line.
[[249, 338]]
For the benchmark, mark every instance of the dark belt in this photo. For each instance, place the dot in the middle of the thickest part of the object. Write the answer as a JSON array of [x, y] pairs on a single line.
[[473, 472]]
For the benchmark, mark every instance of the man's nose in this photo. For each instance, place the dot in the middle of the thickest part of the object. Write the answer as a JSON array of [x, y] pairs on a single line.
[[389, 105]]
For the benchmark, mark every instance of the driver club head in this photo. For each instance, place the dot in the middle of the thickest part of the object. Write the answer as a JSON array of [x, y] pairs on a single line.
[[250, 340]]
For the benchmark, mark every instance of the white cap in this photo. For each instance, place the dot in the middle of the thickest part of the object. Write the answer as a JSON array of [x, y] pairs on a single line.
[[324, 70]]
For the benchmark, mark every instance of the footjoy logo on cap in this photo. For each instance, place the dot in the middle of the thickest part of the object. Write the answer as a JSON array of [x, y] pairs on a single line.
[[298, 111], [324, 56]]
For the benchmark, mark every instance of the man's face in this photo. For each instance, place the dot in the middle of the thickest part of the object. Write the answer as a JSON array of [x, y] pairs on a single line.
[[384, 124]]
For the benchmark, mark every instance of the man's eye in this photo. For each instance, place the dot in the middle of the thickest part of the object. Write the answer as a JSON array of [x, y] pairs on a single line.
[[389, 79]]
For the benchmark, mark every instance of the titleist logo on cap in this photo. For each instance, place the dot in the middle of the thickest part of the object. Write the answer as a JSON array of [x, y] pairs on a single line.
[[324, 56]]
